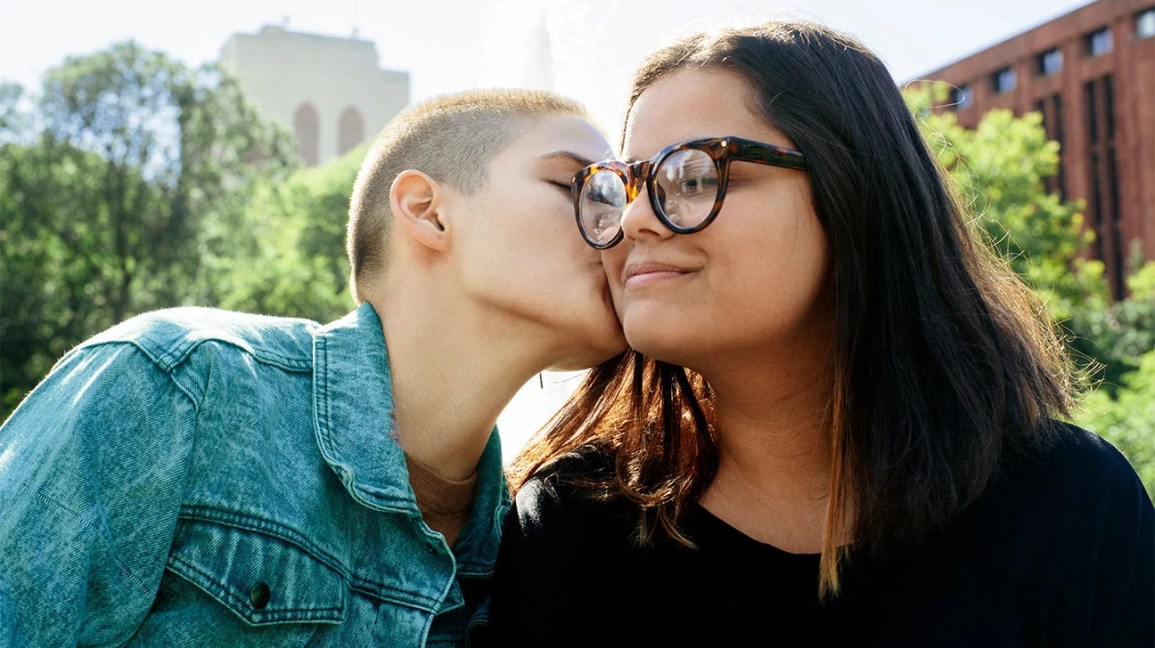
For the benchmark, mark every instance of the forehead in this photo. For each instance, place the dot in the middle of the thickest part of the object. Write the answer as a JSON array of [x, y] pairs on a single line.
[[694, 104], [542, 137]]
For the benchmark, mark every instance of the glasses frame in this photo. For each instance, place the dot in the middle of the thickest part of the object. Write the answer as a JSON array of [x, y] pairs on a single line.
[[722, 150]]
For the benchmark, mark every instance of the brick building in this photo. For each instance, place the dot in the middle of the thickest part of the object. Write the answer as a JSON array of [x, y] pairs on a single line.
[[1091, 73]]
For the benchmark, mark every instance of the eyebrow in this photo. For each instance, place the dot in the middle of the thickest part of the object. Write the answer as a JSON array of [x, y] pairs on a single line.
[[568, 155]]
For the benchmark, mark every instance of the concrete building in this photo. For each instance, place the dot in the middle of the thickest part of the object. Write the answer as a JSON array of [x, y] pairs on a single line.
[[327, 90], [1091, 73]]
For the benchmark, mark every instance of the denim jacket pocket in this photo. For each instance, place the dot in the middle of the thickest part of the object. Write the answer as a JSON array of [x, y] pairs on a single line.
[[261, 578]]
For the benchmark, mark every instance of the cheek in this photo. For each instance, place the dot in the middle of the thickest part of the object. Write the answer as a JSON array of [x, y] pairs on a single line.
[[811, 252], [788, 237], [775, 264], [546, 234], [613, 260]]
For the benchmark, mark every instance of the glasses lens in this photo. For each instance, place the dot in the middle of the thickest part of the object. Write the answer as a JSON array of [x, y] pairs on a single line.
[[603, 199], [687, 185]]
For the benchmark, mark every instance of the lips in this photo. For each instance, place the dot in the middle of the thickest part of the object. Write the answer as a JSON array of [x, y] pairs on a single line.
[[647, 272]]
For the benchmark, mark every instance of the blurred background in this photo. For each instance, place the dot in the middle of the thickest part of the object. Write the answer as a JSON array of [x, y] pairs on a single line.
[[156, 155]]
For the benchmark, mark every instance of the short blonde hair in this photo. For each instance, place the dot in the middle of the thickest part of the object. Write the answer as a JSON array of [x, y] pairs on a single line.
[[451, 138]]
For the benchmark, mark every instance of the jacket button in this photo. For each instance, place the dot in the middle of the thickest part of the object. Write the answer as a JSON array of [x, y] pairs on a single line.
[[259, 595]]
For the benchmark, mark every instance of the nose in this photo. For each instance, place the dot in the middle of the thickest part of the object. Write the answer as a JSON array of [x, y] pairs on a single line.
[[639, 220]]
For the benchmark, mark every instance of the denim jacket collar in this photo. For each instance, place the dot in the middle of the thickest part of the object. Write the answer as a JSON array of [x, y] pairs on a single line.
[[353, 411], [356, 430]]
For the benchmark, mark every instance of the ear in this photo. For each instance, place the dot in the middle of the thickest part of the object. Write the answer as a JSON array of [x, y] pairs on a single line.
[[416, 200]]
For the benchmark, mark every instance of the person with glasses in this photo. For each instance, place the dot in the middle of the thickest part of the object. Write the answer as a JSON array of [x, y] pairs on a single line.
[[195, 477], [840, 423]]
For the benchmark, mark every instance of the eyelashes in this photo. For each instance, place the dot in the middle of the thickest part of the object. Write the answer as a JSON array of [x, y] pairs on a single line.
[[564, 186]]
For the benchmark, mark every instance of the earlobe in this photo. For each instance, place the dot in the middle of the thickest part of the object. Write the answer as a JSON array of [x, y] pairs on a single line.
[[415, 200]]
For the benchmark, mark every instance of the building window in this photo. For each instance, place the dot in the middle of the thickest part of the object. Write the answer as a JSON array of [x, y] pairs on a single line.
[[1109, 106], [1103, 165], [1003, 80], [961, 97], [1099, 42], [1051, 62], [1145, 24], [1057, 135], [307, 127], [1052, 112], [351, 130]]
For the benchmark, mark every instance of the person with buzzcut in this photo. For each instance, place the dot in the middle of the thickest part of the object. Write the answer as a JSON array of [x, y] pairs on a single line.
[[198, 477]]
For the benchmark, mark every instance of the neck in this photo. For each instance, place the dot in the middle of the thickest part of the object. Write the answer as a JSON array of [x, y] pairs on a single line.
[[454, 369], [775, 433], [771, 413]]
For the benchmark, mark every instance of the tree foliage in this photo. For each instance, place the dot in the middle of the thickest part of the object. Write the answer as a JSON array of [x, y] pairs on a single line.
[[295, 265], [999, 169], [1125, 412], [117, 194]]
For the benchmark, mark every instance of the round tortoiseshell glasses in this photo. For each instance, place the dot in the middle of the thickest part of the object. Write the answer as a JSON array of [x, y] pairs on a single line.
[[686, 184]]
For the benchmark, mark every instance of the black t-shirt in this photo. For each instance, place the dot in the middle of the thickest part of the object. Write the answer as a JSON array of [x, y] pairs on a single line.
[[1059, 551]]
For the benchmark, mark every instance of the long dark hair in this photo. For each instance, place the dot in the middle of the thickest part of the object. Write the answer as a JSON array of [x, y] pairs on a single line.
[[943, 359]]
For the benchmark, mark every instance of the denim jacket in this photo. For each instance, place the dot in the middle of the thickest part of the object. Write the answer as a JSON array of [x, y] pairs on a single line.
[[196, 477]]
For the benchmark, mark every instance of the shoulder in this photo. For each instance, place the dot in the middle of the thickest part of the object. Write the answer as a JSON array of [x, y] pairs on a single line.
[[169, 336], [1075, 521], [1078, 495], [556, 556], [563, 482], [560, 500], [1077, 464]]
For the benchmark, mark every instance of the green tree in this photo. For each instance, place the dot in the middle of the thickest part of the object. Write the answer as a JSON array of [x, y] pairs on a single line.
[[121, 190], [999, 168], [295, 263], [1127, 418], [48, 299], [1117, 336], [12, 119], [1125, 412]]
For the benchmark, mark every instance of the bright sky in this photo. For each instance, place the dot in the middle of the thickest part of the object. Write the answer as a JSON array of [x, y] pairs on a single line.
[[583, 48]]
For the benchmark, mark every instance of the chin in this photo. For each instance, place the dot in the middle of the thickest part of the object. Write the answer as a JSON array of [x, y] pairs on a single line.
[[659, 345]]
